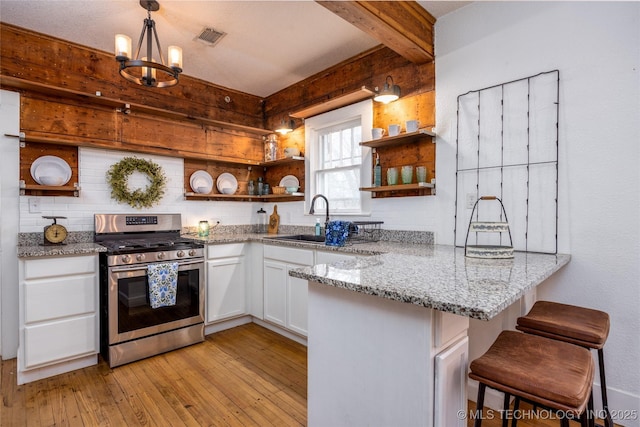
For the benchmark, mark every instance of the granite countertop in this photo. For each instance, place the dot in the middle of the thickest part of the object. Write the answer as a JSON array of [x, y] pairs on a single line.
[[433, 276], [38, 250], [440, 277]]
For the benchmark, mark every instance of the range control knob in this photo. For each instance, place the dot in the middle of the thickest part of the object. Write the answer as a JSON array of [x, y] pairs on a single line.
[[192, 252], [140, 257], [160, 255], [180, 254], [126, 258]]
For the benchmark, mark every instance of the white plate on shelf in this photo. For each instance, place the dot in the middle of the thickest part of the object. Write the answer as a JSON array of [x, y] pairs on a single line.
[[228, 182], [289, 181], [51, 166], [201, 180]]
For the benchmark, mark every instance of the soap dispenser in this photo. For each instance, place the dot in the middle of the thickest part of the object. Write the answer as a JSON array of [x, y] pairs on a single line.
[[317, 226]]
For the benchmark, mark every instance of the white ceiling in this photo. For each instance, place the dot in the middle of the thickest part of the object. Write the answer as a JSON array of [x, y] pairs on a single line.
[[269, 45]]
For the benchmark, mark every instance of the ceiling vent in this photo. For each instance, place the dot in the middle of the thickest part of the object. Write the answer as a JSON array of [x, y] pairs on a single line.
[[210, 37]]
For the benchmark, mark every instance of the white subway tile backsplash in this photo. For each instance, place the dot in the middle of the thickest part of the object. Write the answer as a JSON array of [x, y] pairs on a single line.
[[407, 213]]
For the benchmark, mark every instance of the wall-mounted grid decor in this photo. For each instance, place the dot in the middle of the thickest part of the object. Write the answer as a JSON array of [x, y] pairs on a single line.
[[507, 146]]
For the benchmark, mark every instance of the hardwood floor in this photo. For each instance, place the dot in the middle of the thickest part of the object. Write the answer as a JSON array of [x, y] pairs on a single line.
[[245, 376]]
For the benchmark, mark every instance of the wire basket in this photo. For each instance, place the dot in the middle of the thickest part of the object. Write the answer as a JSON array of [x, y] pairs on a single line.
[[365, 231]]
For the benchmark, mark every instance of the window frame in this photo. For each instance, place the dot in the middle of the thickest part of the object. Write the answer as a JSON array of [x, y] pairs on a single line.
[[364, 112]]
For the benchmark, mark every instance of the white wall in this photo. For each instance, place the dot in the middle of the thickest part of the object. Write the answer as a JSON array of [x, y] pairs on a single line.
[[9, 146], [596, 47]]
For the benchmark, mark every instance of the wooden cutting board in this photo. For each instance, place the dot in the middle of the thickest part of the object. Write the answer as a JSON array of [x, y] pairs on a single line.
[[274, 221]]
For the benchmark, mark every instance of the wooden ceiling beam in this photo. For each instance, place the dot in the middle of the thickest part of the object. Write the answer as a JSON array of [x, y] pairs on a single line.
[[403, 26]]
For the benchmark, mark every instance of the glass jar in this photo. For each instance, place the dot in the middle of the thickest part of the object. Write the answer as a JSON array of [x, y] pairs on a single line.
[[265, 189], [270, 148], [251, 190], [260, 186], [262, 221]]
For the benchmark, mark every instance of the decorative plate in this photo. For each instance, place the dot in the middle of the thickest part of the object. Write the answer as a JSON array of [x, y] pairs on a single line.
[[228, 182], [51, 166], [201, 179], [289, 181]]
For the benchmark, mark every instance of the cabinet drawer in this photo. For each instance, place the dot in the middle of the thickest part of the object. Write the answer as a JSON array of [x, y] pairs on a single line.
[[289, 255], [56, 341], [225, 251], [60, 266], [59, 297]]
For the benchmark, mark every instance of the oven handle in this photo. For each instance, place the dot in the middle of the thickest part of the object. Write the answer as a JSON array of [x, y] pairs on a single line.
[[144, 266]]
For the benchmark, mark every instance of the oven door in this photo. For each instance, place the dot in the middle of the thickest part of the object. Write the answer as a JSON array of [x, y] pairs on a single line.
[[130, 313]]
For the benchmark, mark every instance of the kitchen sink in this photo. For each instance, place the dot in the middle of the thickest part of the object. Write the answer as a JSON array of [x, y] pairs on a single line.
[[308, 238]]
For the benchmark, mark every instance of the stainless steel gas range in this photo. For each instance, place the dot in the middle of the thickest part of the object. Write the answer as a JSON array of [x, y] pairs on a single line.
[[130, 327]]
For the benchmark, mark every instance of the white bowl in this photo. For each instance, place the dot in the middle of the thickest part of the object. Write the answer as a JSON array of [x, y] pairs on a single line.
[[291, 151], [51, 180], [202, 190], [291, 190], [228, 190]]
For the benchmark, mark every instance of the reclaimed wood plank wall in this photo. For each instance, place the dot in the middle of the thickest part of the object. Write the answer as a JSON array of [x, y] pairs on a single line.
[[71, 122]]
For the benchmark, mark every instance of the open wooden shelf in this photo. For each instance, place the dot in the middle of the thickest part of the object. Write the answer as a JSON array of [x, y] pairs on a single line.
[[245, 197], [49, 190], [403, 138], [282, 161], [17, 83], [399, 187]]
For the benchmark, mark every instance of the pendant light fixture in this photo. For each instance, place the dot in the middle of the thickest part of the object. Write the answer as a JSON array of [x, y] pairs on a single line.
[[286, 126], [146, 71], [389, 93]]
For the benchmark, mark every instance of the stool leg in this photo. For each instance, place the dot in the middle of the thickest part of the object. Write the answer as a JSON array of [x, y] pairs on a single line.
[[564, 422], [590, 412], [505, 407], [516, 407], [479, 405], [608, 421]]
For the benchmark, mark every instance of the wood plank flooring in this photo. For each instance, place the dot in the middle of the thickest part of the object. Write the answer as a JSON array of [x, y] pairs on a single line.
[[245, 376]]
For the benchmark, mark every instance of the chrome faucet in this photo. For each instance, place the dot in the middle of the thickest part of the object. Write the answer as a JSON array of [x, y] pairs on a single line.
[[312, 210]]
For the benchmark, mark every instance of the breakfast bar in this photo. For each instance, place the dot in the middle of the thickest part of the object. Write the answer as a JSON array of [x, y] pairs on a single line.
[[388, 334]]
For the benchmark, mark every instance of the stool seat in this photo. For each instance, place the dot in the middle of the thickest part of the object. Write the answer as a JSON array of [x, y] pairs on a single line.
[[548, 372], [578, 325]]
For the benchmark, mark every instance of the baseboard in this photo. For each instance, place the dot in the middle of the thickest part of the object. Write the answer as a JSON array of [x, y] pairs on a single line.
[[27, 376], [624, 407], [226, 324], [297, 338]]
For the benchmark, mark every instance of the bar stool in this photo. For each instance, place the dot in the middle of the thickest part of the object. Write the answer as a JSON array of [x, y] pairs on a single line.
[[549, 373], [585, 327]]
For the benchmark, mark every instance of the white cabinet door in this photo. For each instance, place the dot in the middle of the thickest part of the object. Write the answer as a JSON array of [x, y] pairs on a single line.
[[451, 385], [297, 303], [226, 284], [275, 292], [48, 342], [58, 310]]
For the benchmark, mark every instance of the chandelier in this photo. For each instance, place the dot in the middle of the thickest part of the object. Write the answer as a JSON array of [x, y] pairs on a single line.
[[146, 71]]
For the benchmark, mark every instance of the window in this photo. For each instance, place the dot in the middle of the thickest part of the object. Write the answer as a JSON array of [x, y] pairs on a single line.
[[338, 166]]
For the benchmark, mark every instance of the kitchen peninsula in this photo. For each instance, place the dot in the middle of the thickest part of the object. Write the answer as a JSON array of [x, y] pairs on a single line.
[[388, 333]]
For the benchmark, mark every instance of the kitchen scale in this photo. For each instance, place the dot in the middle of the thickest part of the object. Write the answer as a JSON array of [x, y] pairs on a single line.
[[55, 234]]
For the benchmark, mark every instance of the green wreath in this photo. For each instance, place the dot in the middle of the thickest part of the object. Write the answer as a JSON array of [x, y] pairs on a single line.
[[118, 175]]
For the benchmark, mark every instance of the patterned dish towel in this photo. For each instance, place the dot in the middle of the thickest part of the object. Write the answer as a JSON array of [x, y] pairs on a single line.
[[337, 233], [163, 284]]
